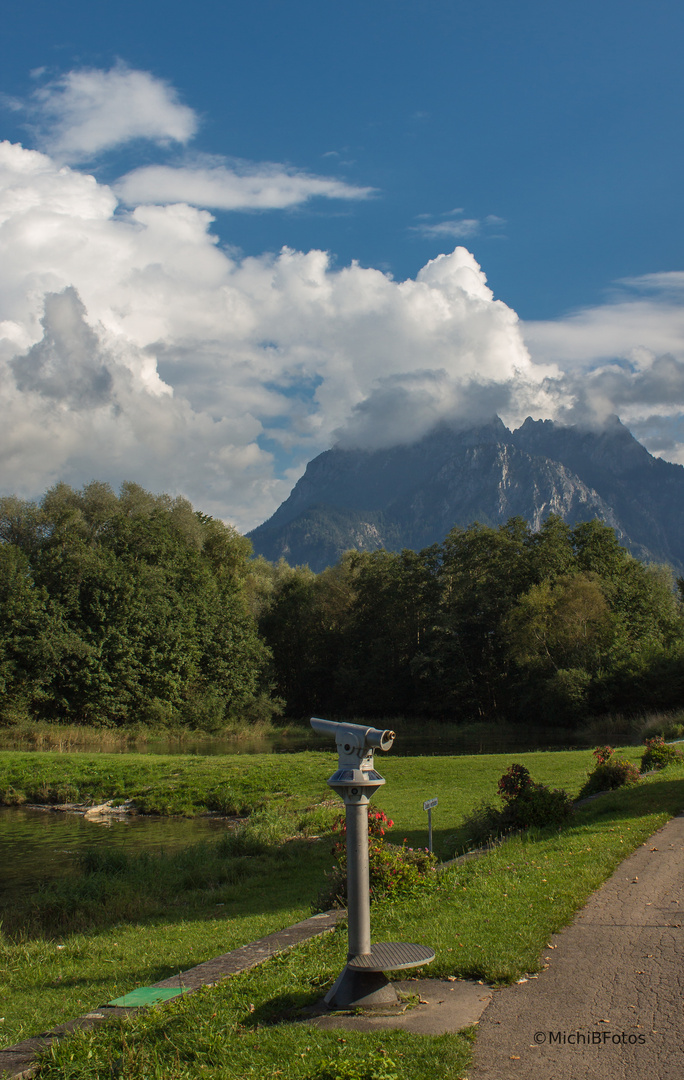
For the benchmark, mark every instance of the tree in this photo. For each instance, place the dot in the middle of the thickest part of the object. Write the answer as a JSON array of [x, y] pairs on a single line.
[[147, 606]]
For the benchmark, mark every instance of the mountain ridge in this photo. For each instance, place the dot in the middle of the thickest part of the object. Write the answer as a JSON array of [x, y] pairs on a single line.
[[412, 495]]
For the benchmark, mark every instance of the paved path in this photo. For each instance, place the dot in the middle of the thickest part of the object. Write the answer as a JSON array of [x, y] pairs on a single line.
[[609, 1005]]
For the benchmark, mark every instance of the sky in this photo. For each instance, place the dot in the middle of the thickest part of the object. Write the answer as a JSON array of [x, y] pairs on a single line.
[[234, 235]]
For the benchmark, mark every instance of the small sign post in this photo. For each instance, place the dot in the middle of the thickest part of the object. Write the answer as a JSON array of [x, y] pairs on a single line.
[[428, 805]]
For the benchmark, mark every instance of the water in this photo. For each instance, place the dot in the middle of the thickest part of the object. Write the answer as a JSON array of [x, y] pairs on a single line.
[[429, 741], [36, 845]]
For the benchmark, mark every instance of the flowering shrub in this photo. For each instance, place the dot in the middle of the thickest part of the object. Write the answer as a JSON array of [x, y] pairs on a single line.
[[603, 754], [393, 870], [658, 754], [609, 773], [514, 782]]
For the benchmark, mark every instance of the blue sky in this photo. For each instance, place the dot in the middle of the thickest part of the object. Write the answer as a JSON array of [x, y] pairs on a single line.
[[497, 188]]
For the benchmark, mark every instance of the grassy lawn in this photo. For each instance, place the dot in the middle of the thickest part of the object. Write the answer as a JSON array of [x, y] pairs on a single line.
[[495, 915], [159, 784], [239, 784]]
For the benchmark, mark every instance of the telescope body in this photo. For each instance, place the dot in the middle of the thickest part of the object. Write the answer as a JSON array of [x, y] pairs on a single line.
[[355, 779]]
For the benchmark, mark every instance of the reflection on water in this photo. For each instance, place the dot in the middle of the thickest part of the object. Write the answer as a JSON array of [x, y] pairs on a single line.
[[429, 741], [40, 844]]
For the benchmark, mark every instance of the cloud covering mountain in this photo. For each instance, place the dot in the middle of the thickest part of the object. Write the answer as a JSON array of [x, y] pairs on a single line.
[[134, 344]]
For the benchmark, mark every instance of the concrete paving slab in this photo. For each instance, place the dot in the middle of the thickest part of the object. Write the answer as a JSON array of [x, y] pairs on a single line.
[[444, 1005]]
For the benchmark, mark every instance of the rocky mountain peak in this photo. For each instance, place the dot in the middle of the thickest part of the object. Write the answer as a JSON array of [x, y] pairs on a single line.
[[412, 495]]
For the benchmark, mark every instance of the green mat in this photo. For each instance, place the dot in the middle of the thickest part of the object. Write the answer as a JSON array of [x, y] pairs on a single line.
[[147, 995]]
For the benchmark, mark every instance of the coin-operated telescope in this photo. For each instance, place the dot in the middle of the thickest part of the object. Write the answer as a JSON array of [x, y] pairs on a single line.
[[362, 982]]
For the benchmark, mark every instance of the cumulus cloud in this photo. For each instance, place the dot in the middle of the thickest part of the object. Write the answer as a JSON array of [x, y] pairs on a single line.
[[133, 346], [625, 356], [84, 112], [65, 364], [242, 186]]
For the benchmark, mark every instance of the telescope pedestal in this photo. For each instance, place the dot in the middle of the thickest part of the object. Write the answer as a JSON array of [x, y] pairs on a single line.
[[363, 983], [355, 989]]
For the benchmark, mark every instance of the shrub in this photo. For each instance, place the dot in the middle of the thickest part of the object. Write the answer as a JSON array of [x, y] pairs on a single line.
[[609, 773], [393, 871], [539, 805], [658, 754], [514, 782], [603, 754], [526, 804]]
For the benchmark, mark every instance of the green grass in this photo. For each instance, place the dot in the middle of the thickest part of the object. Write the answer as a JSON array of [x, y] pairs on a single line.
[[226, 1034], [495, 917], [239, 784], [158, 784]]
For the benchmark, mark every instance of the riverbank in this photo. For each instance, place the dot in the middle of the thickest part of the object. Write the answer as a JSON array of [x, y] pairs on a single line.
[[150, 916], [135, 738], [240, 784], [418, 736]]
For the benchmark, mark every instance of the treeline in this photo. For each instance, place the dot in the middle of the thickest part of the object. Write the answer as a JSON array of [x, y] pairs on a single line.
[[546, 627], [136, 608], [116, 610]]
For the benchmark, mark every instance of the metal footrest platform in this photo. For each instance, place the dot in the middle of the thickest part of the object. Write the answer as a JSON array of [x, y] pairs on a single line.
[[391, 956]]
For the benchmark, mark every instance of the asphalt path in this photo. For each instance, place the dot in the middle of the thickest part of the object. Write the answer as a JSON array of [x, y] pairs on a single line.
[[610, 1003]]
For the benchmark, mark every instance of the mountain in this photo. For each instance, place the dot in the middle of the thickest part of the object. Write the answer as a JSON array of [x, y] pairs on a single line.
[[411, 496]]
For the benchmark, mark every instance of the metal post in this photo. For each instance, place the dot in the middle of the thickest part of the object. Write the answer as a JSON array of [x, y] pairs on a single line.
[[358, 889], [428, 805]]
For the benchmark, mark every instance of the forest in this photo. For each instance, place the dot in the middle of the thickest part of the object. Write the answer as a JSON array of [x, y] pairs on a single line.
[[134, 608]]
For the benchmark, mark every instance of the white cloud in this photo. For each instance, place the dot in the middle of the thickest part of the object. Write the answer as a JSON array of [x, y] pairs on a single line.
[[84, 112], [609, 331], [455, 227], [458, 230], [625, 356], [134, 347], [244, 186]]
